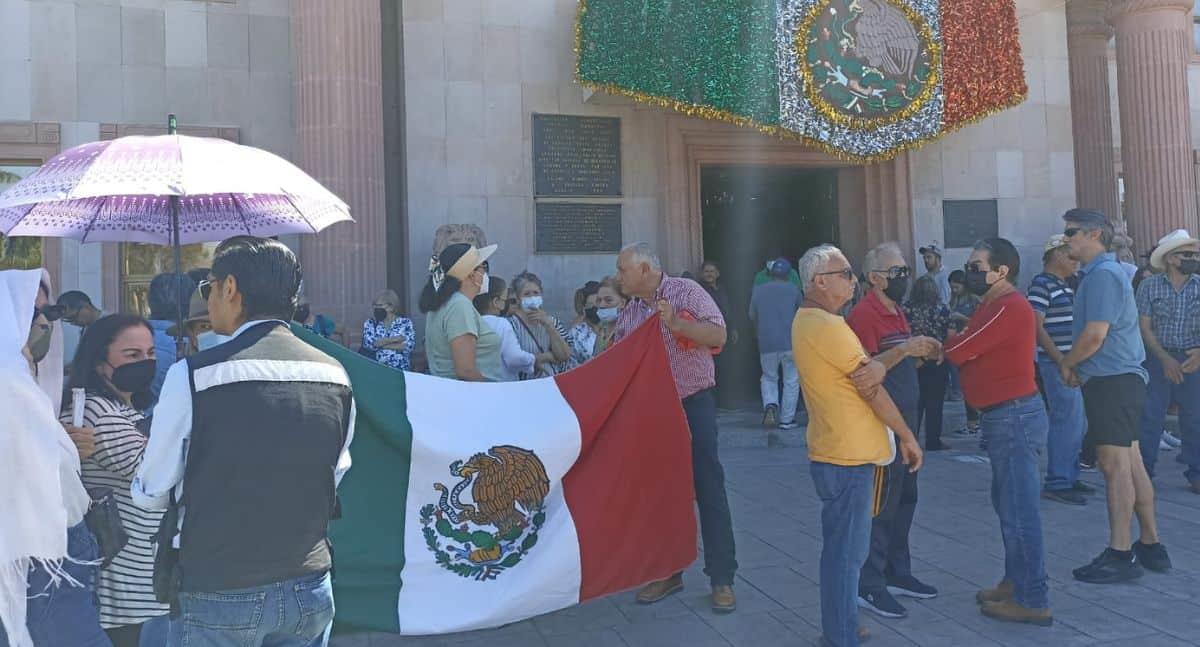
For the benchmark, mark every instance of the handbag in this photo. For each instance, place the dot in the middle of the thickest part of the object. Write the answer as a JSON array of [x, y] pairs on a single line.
[[103, 518]]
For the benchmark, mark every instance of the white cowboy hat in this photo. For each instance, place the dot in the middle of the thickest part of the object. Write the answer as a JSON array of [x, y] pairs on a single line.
[[1168, 244]]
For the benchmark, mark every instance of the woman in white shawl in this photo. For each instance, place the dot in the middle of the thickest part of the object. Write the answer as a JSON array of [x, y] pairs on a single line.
[[46, 551]]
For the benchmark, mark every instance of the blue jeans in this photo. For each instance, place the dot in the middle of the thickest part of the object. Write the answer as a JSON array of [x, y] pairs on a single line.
[[1065, 439], [1160, 392], [716, 522], [66, 615], [293, 613], [1015, 433], [846, 494]]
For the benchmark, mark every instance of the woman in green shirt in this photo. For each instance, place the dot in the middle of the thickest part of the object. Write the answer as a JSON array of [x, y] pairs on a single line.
[[458, 343]]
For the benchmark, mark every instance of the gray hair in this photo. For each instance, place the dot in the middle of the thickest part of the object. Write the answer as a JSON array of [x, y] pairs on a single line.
[[872, 258], [813, 262], [642, 252]]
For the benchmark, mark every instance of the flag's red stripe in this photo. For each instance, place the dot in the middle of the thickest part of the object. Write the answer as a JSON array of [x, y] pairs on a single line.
[[630, 493]]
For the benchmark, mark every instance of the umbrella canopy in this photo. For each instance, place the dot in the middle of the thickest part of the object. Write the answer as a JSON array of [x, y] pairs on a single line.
[[122, 191]]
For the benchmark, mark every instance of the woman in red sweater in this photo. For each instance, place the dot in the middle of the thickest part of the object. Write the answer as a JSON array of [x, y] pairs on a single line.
[[994, 354]]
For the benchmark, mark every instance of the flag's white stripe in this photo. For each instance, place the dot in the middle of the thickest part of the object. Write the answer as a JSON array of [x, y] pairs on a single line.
[[453, 421]]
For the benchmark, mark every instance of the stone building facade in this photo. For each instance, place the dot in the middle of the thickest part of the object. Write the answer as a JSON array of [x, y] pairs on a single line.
[[418, 113]]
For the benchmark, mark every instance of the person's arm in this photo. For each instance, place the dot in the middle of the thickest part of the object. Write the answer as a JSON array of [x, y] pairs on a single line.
[[344, 462], [1044, 339], [708, 329], [165, 455], [512, 355], [1172, 369], [368, 341], [120, 447], [885, 409], [972, 343], [462, 348], [1089, 341]]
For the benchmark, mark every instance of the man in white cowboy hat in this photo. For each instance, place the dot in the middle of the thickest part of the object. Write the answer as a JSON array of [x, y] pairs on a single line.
[[1169, 309]]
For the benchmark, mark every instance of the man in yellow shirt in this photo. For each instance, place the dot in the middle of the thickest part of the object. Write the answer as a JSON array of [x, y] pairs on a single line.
[[848, 433]]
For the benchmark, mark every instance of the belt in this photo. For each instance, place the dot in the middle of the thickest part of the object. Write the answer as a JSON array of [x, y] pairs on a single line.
[[1019, 400]]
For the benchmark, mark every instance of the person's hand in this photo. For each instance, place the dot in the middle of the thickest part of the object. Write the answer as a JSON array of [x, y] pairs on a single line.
[[911, 452], [1172, 369], [868, 377], [922, 347], [1192, 364], [1069, 375], [540, 360], [84, 439], [669, 317], [540, 317]]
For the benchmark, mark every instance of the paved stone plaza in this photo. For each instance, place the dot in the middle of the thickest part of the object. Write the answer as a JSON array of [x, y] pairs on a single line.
[[956, 547]]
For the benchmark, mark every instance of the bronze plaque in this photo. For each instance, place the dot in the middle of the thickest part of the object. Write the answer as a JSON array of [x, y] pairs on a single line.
[[573, 228], [576, 156]]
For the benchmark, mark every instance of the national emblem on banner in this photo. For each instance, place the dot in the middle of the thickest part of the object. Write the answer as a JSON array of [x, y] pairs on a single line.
[[500, 525]]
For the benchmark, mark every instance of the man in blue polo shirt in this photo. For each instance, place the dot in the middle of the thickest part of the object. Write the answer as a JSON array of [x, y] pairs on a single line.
[[1052, 300], [881, 326], [1106, 357]]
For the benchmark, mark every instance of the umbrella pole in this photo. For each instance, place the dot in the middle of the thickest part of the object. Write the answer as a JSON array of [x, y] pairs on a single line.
[[179, 295]]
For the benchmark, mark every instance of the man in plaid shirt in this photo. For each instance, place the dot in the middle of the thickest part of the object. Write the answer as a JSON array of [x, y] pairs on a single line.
[[692, 326]]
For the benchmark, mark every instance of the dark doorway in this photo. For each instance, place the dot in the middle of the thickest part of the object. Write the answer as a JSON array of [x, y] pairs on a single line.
[[752, 214]]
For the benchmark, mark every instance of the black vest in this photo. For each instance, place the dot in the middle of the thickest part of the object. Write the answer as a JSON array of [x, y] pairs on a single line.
[[270, 415]]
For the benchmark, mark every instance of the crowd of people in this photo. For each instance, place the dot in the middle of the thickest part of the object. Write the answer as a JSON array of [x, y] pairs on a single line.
[[870, 354]]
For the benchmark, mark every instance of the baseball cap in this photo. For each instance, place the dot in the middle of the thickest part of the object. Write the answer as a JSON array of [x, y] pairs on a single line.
[[1055, 241], [931, 248], [780, 267]]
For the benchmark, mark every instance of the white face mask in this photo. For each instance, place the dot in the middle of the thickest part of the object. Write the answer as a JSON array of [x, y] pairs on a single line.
[[531, 303], [487, 282], [207, 340], [607, 314]]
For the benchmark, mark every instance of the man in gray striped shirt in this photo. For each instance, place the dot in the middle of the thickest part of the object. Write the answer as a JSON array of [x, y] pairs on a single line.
[[1052, 300]]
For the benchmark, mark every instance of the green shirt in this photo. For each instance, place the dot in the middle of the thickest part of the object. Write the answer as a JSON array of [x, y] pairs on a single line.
[[764, 277], [458, 317]]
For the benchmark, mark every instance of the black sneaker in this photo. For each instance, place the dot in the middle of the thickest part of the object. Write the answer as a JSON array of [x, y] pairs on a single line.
[[1152, 556], [1109, 568], [1069, 497], [1083, 488], [881, 603], [911, 587], [771, 416]]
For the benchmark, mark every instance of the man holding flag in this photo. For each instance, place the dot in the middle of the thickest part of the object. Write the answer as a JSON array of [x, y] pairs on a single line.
[[692, 327]]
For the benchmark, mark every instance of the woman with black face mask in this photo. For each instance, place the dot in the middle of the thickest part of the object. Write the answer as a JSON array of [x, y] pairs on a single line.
[[388, 335], [115, 365]]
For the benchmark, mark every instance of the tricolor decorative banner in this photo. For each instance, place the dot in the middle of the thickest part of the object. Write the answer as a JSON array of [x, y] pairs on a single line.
[[475, 505], [863, 79]]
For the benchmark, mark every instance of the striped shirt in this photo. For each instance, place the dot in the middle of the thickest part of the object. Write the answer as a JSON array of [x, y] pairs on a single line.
[[535, 340], [692, 369], [125, 587], [1055, 300], [1174, 314]]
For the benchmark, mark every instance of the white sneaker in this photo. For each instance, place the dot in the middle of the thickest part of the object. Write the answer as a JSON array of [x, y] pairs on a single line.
[[1164, 446], [1171, 439]]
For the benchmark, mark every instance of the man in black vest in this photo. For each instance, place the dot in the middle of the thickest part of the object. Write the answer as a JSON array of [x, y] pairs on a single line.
[[251, 438]]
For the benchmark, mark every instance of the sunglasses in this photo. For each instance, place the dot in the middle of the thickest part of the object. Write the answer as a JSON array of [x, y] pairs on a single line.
[[1188, 255], [205, 288], [846, 273], [1071, 231], [895, 272]]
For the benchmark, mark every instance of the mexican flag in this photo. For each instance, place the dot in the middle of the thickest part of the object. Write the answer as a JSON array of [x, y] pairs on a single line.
[[474, 505], [863, 79]]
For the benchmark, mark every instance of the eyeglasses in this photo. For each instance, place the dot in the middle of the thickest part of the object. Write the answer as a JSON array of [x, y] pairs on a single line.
[[895, 272], [845, 273], [205, 288], [1071, 231]]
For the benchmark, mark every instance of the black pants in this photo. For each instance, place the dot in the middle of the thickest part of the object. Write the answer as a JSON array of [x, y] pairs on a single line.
[[932, 380], [716, 524], [890, 557]]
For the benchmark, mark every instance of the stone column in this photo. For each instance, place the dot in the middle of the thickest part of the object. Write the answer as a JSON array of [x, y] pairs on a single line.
[[1154, 48], [1091, 112], [339, 136]]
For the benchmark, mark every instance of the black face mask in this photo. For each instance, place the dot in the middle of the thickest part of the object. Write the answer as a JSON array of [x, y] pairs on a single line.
[[591, 315], [1189, 266], [135, 377], [302, 313], [896, 288], [380, 314], [977, 282]]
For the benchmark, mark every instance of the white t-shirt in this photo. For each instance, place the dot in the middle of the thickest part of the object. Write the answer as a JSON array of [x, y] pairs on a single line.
[[513, 359]]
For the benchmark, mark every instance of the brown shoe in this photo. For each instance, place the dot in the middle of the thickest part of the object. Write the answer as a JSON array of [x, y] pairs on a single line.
[[1010, 611], [723, 599], [656, 591], [1002, 592], [863, 635]]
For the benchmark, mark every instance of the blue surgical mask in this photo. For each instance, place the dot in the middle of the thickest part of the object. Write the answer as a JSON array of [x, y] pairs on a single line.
[[207, 340], [531, 303], [607, 315]]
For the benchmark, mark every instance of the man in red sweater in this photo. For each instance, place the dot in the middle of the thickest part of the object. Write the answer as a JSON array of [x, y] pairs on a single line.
[[994, 354]]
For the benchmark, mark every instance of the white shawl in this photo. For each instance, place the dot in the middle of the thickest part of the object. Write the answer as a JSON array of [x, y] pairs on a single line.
[[41, 495]]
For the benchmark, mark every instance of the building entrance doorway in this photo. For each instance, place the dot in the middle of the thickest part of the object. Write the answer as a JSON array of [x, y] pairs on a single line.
[[752, 213]]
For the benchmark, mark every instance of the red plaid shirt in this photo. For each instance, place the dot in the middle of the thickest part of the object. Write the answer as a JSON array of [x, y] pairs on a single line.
[[693, 369]]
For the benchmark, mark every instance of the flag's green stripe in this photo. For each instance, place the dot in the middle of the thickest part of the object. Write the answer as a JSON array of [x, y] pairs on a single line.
[[714, 53], [368, 541]]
